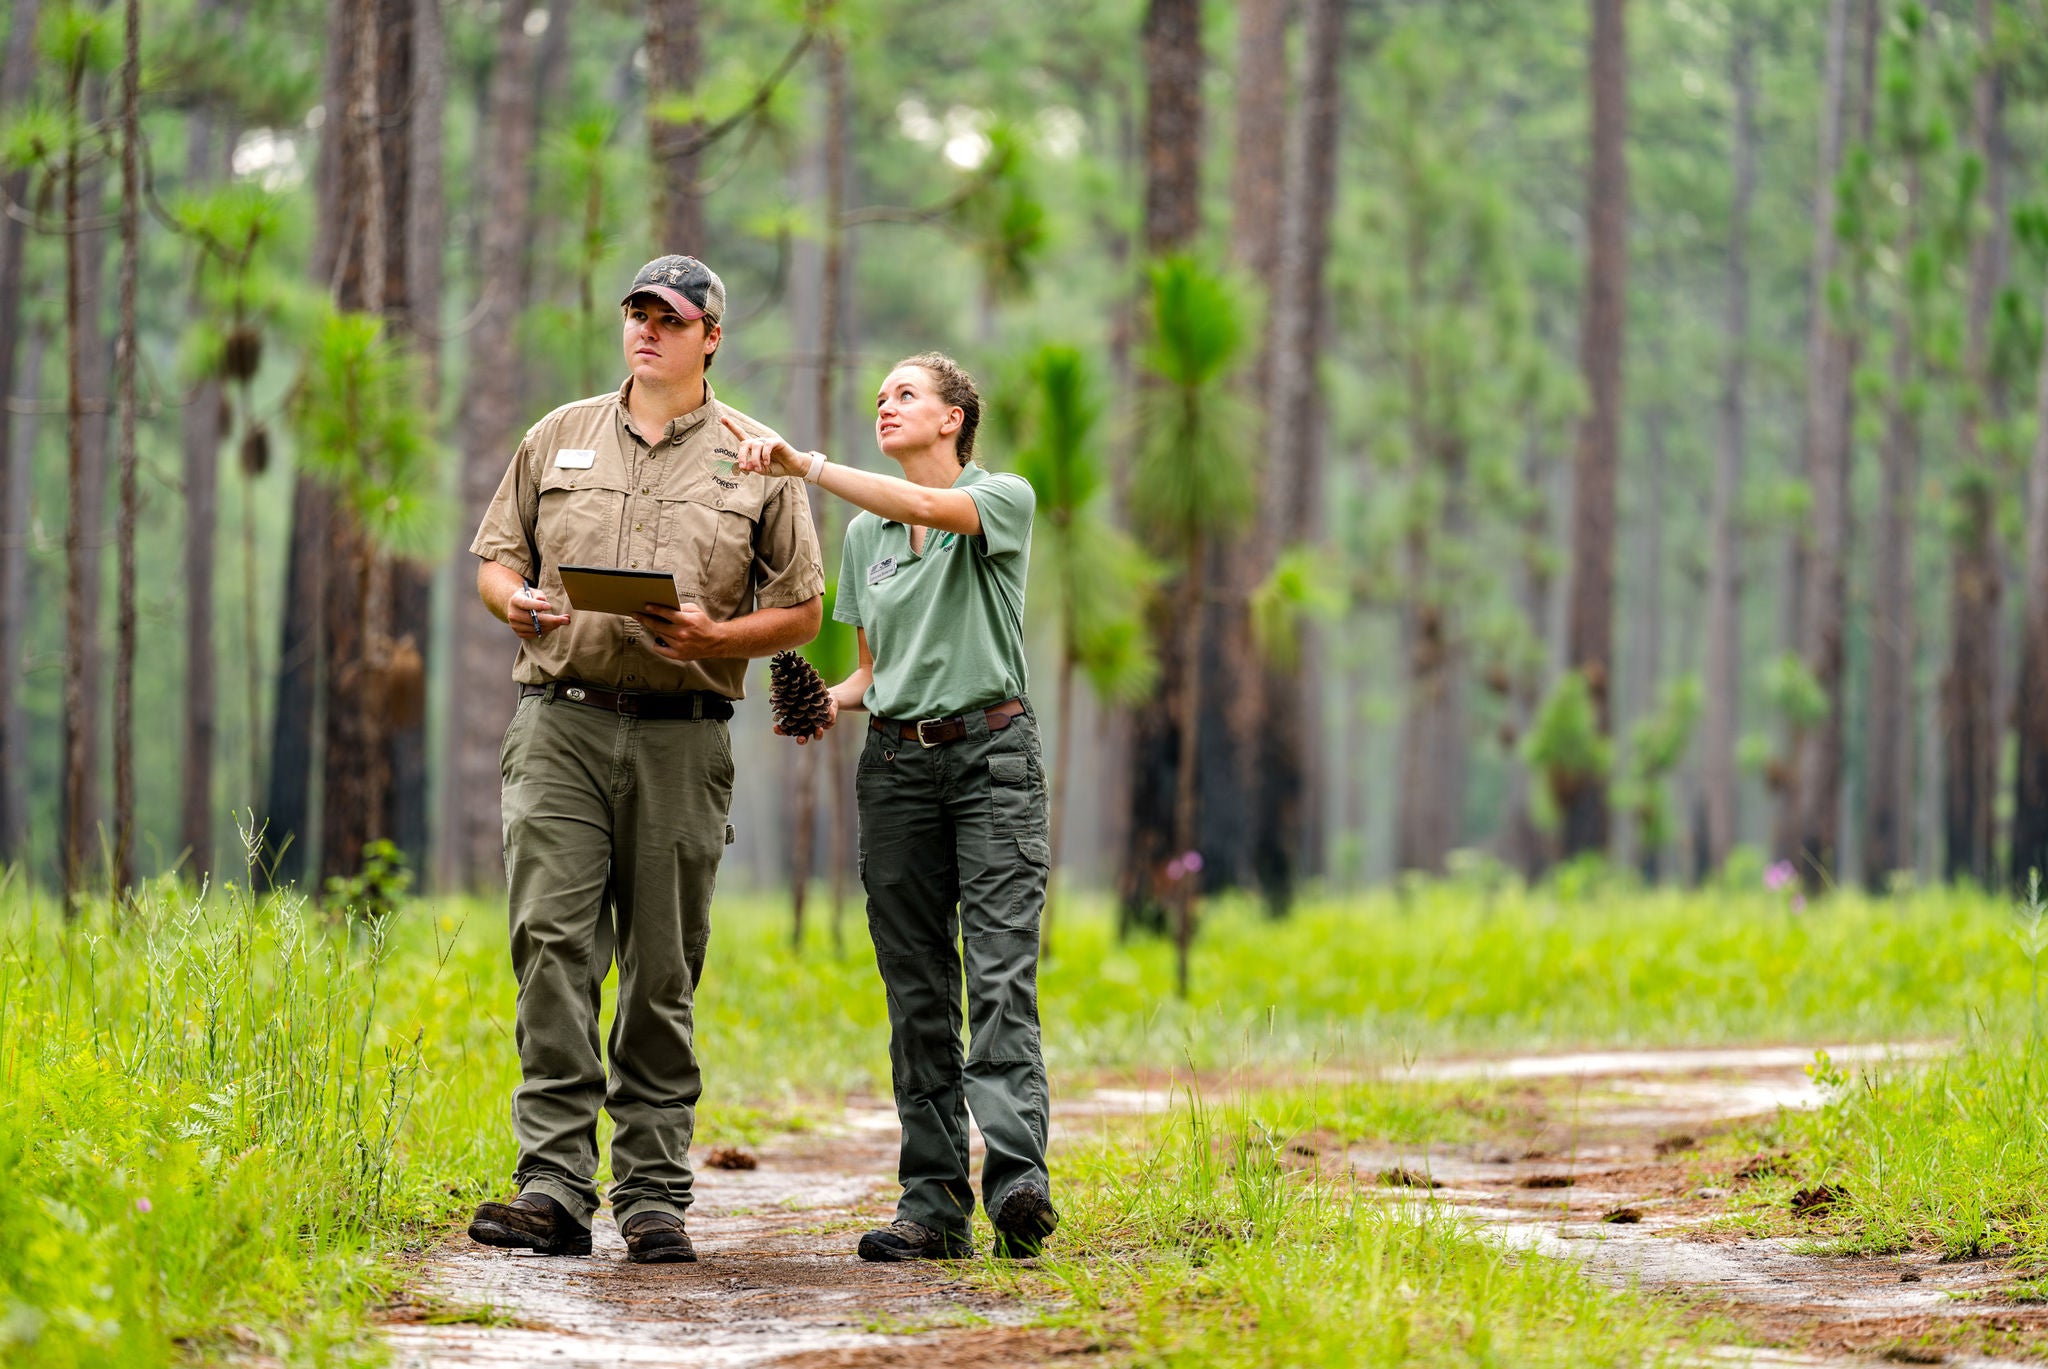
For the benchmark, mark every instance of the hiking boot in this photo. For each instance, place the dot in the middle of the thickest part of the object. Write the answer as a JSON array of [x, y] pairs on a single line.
[[910, 1241], [657, 1238], [532, 1221], [1023, 1222]]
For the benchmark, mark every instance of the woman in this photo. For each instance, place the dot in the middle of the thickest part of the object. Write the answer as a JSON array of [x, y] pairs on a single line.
[[952, 803]]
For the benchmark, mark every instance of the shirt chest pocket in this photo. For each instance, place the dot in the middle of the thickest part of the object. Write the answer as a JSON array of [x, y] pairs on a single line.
[[705, 539], [579, 517]]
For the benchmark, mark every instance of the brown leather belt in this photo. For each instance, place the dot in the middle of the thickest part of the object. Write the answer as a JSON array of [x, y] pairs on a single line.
[[666, 707], [939, 731]]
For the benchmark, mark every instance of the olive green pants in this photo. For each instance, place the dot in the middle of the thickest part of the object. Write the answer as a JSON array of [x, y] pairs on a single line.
[[614, 827], [954, 857]]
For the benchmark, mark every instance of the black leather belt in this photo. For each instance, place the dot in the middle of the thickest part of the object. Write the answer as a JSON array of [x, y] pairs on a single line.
[[665, 707], [939, 731]]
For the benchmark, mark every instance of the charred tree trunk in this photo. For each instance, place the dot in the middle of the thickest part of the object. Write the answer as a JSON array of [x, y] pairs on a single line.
[[675, 60], [1172, 155], [1724, 517], [370, 686], [1888, 734], [1970, 690], [490, 416], [1234, 703], [1590, 631], [1287, 819], [287, 804], [17, 76]]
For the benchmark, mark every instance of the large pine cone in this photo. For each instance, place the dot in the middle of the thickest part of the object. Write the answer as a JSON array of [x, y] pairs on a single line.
[[797, 695]]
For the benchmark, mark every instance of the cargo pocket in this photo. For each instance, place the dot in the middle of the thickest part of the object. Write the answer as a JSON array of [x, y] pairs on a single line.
[[1016, 797]]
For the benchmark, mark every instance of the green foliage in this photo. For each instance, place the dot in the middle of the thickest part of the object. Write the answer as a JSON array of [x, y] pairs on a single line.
[[377, 890], [81, 35], [1002, 217], [1657, 745], [1565, 744], [362, 431], [1193, 480], [1791, 689], [1101, 576], [1298, 590]]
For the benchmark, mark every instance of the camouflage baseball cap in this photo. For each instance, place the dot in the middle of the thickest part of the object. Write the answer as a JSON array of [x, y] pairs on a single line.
[[687, 285]]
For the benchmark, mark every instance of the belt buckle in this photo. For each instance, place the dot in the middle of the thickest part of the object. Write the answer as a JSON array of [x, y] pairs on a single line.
[[923, 723], [629, 704]]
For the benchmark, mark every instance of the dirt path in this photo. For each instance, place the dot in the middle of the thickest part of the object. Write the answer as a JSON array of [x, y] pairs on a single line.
[[1606, 1175], [1596, 1164], [776, 1282]]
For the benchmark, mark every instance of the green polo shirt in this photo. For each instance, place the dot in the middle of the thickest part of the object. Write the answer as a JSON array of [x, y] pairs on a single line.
[[946, 628]]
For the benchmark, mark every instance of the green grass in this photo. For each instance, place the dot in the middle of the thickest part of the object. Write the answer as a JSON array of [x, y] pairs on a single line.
[[222, 1124], [1205, 1240]]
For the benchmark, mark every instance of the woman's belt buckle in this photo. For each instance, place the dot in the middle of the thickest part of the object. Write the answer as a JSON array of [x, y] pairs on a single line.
[[922, 724]]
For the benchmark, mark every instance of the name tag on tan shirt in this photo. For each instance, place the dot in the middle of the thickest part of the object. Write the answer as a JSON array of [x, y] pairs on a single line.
[[575, 458]]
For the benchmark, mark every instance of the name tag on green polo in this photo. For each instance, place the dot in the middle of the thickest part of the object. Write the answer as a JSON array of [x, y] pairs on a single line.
[[881, 570]]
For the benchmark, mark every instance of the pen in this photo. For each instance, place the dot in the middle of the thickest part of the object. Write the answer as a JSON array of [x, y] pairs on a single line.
[[531, 613]]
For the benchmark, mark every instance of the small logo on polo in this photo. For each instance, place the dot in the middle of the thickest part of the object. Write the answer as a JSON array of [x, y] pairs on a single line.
[[728, 453], [725, 484], [575, 694]]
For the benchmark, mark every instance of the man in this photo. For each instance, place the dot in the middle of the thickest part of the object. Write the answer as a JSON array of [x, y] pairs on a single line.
[[617, 767]]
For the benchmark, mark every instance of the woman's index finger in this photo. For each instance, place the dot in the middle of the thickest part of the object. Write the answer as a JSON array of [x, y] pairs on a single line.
[[735, 429]]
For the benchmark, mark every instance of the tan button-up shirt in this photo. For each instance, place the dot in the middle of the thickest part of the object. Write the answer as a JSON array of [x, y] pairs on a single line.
[[585, 490]]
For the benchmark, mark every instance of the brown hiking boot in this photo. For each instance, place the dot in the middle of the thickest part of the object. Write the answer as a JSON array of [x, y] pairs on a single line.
[[1023, 1222], [911, 1241], [657, 1238], [532, 1221]]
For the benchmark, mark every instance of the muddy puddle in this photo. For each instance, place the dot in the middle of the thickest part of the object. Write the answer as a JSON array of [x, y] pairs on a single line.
[[1598, 1175]]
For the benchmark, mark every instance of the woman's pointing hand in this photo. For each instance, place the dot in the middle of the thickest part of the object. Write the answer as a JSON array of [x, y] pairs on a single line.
[[766, 454]]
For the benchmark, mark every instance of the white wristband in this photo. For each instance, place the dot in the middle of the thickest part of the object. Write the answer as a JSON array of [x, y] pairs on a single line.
[[817, 464]]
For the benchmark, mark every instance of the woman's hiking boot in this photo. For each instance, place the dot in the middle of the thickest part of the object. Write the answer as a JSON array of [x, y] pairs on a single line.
[[1023, 1222], [532, 1221], [912, 1241], [657, 1238]]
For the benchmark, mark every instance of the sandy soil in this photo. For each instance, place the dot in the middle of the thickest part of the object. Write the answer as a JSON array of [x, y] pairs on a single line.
[[1598, 1164]]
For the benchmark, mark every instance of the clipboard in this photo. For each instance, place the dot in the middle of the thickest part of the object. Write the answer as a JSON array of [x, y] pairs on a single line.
[[610, 589]]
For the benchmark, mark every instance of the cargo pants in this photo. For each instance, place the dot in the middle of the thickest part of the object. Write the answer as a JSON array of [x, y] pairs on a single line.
[[614, 827], [954, 857]]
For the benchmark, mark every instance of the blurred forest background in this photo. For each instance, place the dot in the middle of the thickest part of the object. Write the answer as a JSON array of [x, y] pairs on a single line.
[[1513, 431]]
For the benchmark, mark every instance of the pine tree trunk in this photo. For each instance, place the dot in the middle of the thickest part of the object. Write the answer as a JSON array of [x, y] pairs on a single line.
[[1970, 690], [1171, 153], [86, 477], [1724, 517], [1234, 701], [1286, 816], [1186, 887], [1813, 840], [490, 421], [287, 807], [124, 593], [675, 60], [1888, 732], [17, 76], [410, 802], [1590, 632], [2030, 791], [1646, 635], [202, 438]]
